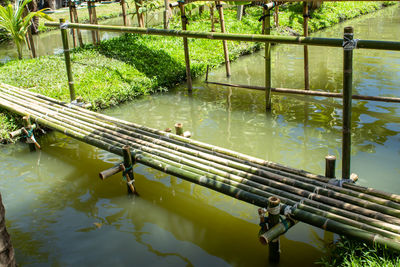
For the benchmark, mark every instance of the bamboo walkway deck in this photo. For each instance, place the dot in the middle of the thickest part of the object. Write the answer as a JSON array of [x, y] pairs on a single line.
[[359, 212]]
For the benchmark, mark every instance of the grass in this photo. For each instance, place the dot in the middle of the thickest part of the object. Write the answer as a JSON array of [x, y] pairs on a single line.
[[349, 253]]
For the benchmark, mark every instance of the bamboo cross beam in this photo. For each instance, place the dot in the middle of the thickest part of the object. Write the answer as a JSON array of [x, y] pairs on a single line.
[[295, 40]]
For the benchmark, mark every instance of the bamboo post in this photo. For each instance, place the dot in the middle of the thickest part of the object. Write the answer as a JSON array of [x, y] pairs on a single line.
[[305, 29], [71, 17], [185, 46], [167, 10], [28, 127], [224, 43], [273, 219], [267, 31], [64, 36], [139, 15], [178, 128], [76, 20], [348, 46], [212, 17], [276, 231], [123, 6], [330, 162], [276, 16], [29, 38], [128, 172], [91, 20], [239, 13], [95, 22]]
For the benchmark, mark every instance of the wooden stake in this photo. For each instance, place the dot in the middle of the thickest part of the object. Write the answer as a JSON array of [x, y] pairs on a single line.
[[123, 6], [95, 22], [186, 47], [224, 43], [71, 17], [347, 93], [273, 219], [267, 31], [330, 162], [64, 36], [128, 164], [305, 29], [76, 20], [29, 38]]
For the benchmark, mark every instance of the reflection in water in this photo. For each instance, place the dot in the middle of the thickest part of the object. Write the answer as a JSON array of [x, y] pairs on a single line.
[[60, 213]]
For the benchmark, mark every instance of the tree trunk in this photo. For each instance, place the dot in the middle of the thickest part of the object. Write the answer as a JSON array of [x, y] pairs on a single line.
[[52, 4], [7, 257], [33, 7]]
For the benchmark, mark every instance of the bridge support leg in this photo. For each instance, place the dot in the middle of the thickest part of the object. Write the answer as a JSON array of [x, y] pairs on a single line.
[[64, 36], [30, 138], [128, 172], [273, 219], [330, 162]]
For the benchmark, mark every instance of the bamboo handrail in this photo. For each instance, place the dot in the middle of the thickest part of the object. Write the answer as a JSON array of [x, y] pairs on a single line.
[[296, 40]]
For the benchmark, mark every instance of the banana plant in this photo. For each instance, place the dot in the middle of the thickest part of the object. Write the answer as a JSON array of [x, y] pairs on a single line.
[[12, 20]]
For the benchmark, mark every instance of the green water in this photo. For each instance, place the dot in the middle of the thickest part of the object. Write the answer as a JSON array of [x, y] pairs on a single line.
[[60, 213]]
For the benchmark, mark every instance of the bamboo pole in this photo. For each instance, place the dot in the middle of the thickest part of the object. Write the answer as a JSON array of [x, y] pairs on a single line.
[[276, 231], [212, 17], [64, 36], [305, 30], [128, 172], [95, 22], [267, 31], [71, 18], [310, 92], [347, 93], [273, 219], [316, 41], [186, 47], [314, 179], [28, 127], [167, 11], [91, 20], [125, 138], [124, 18], [239, 12], [76, 20], [139, 15], [111, 171], [276, 16], [224, 43], [330, 162]]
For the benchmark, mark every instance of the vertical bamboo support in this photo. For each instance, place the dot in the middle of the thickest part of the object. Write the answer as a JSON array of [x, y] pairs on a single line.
[[348, 46], [31, 42], [185, 46], [273, 219], [28, 126], [239, 13], [267, 31], [330, 162], [305, 29], [276, 16], [224, 42], [95, 22], [212, 17], [178, 128], [128, 164], [139, 15], [91, 20], [71, 18], [64, 36], [166, 14], [76, 20], [123, 6]]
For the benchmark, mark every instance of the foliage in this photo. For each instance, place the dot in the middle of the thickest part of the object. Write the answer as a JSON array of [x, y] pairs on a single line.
[[16, 24], [8, 123], [349, 252]]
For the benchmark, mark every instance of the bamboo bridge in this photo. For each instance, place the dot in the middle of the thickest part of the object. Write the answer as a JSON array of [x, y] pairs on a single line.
[[331, 204]]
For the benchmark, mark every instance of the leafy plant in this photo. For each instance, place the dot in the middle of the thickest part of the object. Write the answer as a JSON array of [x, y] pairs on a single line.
[[13, 21]]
